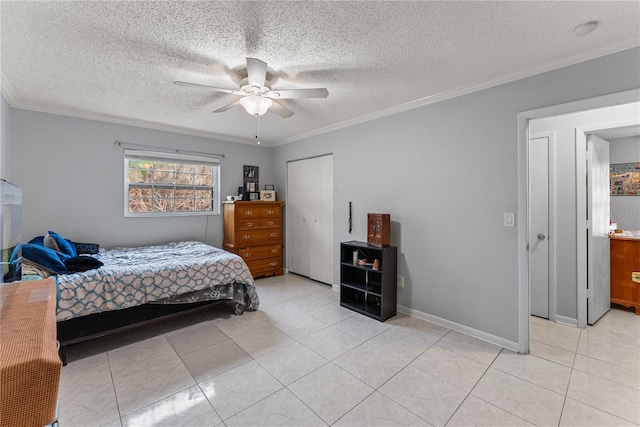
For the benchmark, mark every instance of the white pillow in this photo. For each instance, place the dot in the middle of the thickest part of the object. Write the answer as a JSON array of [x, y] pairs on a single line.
[[50, 242]]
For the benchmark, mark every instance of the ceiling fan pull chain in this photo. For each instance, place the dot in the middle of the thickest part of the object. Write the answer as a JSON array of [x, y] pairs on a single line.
[[257, 128]]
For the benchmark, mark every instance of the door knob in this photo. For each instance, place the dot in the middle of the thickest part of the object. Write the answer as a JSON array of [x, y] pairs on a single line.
[[541, 236]]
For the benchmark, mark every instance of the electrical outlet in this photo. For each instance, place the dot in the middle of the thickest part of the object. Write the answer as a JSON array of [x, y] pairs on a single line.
[[400, 281]]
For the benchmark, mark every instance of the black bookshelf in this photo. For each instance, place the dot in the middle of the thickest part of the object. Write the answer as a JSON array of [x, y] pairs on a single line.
[[363, 289]]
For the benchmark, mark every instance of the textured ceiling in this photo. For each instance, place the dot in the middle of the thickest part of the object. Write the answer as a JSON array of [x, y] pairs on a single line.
[[117, 61]]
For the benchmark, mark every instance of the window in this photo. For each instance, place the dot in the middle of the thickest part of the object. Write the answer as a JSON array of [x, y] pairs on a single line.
[[162, 184]]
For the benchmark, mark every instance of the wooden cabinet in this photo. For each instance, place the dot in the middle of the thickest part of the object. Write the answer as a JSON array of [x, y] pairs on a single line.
[[363, 289], [29, 363], [253, 230], [625, 259], [379, 229]]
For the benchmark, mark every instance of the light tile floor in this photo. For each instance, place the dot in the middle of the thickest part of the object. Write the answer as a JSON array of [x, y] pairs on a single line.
[[302, 360]]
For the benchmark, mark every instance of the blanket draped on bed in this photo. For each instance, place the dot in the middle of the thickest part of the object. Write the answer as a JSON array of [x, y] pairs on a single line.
[[135, 276]]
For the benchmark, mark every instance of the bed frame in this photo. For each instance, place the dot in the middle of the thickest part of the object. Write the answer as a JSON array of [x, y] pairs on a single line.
[[98, 325]]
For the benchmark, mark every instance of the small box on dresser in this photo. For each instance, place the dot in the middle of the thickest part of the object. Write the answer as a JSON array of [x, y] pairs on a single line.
[[253, 230]]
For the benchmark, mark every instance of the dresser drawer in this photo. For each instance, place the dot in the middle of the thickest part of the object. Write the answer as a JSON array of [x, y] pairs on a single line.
[[244, 212], [258, 237], [260, 252], [257, 223], [265, 265], [271, 212]]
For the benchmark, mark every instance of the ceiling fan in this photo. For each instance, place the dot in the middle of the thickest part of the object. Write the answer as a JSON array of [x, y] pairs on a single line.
[[256, 94]]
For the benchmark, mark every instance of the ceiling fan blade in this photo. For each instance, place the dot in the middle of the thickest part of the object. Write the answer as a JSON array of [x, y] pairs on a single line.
[[257, 72], [297, 93], [227, 107], [216, 89], [280, 110]]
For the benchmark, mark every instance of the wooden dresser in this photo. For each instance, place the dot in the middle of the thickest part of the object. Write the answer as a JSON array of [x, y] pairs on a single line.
[[253, 230], [625, 259]]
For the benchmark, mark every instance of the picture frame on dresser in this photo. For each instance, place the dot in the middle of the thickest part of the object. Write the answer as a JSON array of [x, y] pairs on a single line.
[[251, 178], [268, 195]]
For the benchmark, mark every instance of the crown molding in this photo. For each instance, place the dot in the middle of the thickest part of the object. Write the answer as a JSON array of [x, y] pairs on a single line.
[[7, 92], [107, 118], [467, 89]]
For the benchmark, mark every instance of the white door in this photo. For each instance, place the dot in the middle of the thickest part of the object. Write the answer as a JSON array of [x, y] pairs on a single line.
[[539, 225], [321, 220], [296, 207], [598, 214], [310, 218]]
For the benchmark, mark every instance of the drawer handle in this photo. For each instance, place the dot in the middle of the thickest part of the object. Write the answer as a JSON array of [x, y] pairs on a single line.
[[249, 224], [247, 254], [274, 234], [270, 222], [269, 212], [274, 251], [248, 212], [246, 237], [273, 264]]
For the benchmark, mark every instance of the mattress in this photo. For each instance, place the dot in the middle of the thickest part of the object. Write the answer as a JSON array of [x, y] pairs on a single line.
[[135, 276]]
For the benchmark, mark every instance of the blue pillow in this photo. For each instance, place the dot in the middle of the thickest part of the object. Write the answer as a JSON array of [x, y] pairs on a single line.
[[37, 240], [86, 248], [65, 247], [45, 257], [82, 263]]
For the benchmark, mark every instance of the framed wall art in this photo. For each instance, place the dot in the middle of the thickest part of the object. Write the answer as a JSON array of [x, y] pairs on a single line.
[[251, 178], [624, 179]]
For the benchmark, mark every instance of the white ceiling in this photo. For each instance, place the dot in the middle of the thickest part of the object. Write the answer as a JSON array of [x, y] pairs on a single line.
[[117, 61]]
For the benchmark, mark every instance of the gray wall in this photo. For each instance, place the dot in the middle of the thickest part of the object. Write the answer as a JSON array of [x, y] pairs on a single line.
[[625, 210], [72, 177], [5, 137], [446, 173]]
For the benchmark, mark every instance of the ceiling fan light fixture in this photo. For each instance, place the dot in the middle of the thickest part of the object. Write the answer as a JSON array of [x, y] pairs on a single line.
[[256, 105]]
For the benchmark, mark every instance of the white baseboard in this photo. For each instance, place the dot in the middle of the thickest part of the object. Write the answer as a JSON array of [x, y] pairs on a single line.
[[567, 321], [492, 339]]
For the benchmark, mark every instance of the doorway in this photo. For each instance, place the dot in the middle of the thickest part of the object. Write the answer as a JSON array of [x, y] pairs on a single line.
[[575, 268]]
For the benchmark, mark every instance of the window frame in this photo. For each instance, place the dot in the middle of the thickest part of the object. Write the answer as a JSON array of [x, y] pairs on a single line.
[[177, 158]]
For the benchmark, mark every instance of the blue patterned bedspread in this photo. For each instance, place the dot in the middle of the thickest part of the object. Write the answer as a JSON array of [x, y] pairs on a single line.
[[134, 276]]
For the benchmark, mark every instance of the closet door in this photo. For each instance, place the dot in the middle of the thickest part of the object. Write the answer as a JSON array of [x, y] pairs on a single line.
[[321, 234], [296, 206], [310, 218]]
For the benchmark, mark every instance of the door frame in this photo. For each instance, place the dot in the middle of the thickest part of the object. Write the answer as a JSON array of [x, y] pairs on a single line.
[[523, 206]]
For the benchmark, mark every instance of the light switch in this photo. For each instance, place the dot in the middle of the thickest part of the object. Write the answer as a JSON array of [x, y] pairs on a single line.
[[509, 219]]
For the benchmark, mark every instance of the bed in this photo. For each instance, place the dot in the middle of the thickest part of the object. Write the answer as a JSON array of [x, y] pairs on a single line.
[[137, 285]]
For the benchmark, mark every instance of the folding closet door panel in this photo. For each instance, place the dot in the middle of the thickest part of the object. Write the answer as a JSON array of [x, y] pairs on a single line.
[[297, 230], [326, 274], [314, 169]]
